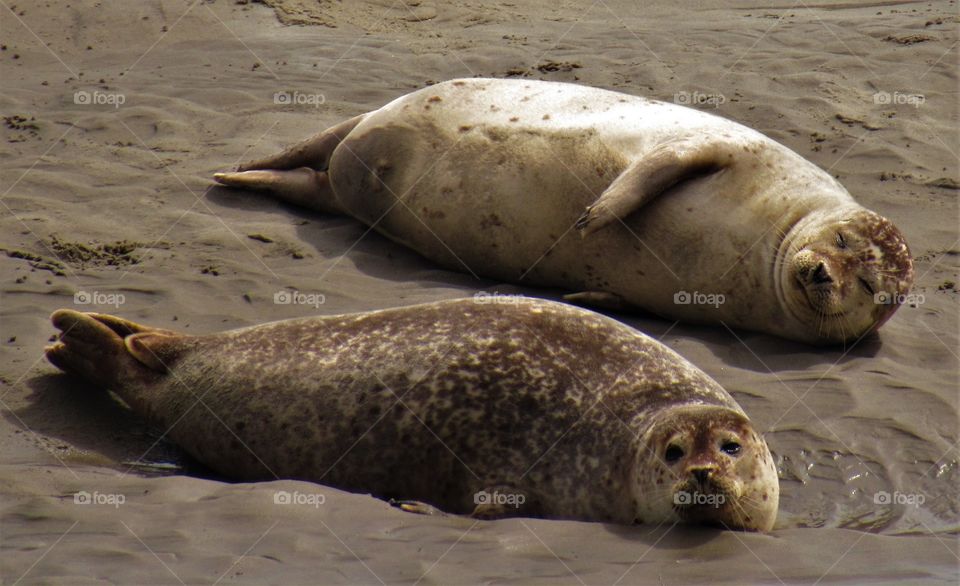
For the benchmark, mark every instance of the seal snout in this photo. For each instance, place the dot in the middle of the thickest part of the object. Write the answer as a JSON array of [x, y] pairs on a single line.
[[701, 474], [813, 269], [703, 479], [820, 274]]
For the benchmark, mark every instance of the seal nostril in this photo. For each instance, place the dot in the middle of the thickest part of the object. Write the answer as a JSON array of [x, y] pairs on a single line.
[[702, 475], [820, 274]]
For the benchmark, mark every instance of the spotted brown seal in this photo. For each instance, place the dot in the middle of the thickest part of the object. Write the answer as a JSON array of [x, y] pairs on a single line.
[[683, 213], [528, 408]]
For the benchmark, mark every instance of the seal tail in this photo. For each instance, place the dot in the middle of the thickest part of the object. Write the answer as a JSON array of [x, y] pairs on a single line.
[[111, 352]]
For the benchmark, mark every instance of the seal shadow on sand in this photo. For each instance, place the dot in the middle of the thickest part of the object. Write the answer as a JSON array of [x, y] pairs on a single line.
[[99, 429], [384, 259], [379, 257]]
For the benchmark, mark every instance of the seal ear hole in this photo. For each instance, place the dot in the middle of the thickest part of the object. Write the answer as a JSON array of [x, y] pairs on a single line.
[[673, 454], [731, 448]]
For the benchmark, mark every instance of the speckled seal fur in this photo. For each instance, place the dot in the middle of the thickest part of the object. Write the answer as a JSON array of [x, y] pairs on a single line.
[[613, 196], [547, 409]]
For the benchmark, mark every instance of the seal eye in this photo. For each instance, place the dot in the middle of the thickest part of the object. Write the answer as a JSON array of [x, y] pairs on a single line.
[[841, 241], [731, 448], [673, 454]]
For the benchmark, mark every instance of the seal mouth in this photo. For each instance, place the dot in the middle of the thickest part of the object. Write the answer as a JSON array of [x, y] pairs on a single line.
[[702, 502], [818, 279], [818, 296]]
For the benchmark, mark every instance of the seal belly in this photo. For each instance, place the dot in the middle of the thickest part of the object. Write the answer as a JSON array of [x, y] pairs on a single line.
[[418, 179]]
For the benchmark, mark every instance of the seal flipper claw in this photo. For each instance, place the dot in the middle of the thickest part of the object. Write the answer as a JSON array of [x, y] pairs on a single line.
[[417, 508], [645, 179]]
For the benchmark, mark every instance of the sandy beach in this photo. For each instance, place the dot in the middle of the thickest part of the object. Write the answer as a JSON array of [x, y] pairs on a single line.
[[116, 115]]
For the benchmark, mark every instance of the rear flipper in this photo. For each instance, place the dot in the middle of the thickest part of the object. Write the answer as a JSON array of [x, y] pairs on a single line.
[[303, 186], [314, 152], [111, 352], [298, 175]]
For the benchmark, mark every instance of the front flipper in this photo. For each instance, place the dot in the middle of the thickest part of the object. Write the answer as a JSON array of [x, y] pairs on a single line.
[[665, 166]]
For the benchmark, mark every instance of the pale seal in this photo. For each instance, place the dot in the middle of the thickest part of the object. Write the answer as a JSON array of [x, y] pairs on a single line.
[[532, 408], [682, 213]]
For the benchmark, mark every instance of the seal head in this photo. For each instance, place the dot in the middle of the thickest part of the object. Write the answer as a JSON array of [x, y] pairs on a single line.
[[847, 271], [706, 464]]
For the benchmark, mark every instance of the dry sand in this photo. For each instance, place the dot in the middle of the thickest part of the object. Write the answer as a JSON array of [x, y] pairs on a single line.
[[112, 198]]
